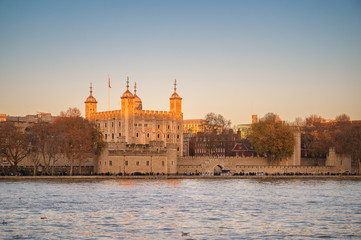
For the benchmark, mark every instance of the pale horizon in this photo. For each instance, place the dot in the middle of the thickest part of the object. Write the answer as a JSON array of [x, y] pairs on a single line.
[[234, 58]]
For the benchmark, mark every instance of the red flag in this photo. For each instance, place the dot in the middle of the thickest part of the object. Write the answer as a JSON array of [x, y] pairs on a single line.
[[109, 82]]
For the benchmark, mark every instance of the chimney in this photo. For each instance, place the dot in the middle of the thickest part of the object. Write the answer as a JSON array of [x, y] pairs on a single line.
[[277, 118], [254, 119]]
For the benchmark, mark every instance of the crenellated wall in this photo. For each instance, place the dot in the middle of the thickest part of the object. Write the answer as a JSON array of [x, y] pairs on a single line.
[[333, 164], [127, 159]]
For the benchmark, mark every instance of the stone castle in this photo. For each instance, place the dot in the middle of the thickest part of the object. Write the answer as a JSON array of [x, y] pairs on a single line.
[[145, 141], [138, 140]]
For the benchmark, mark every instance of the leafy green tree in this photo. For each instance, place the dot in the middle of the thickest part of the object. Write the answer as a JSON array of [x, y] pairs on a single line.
[[271, 138]]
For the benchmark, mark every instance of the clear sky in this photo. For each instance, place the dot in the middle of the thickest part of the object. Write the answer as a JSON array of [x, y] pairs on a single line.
[[236, 58]]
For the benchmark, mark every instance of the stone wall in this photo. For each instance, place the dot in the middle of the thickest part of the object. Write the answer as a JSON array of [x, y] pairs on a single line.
[[333, 164], [147, 161]]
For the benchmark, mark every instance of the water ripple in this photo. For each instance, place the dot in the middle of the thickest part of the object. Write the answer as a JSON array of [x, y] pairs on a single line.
[[181, 209]]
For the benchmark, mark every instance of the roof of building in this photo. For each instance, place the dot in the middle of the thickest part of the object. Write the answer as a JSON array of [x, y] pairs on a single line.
[[136, 98], [193, 121], [127, 93], [91, 99]]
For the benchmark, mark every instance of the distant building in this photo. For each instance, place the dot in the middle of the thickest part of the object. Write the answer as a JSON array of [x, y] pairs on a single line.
[[212, 144], [243, 130], [195, 125], [254, 119], [25, 121], [243, 148]]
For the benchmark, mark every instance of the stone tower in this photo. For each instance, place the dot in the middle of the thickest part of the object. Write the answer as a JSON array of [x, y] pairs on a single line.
[[127, 109], [176, 102], [90, 104]]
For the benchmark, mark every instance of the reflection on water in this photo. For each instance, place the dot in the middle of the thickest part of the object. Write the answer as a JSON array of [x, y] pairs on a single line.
[[180, 209]]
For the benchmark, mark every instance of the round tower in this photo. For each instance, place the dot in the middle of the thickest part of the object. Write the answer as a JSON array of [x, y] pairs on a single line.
[[90, 104]]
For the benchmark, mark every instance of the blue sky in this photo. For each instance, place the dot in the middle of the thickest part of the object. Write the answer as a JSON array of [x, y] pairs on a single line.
[[236, 58]]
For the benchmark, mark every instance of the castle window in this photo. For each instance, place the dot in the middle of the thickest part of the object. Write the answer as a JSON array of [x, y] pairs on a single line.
[[178, 136], [147, 163], [105, 163], [168, 126], [126, 163], [119, 124], [112, 124], [162, 163], [178, 149], [148, 135], [178, 127], [137, 134], [105, 136], [110, 163], [168, 136], [137, 163], [145, 125], [105, 125], [120, 134], [135, 124], [158, 135], [112, 135], [158, 126]]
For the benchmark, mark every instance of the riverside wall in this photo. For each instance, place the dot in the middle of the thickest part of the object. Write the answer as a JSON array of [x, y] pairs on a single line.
[[207, 165]]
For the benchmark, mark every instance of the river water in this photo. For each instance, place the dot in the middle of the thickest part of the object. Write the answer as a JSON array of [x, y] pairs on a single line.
[[181, 209]]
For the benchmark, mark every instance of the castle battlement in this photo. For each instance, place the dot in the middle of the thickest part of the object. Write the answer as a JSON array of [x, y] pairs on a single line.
[[132, 125]]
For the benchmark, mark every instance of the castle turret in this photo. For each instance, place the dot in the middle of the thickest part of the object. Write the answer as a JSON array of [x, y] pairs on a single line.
[[90, 104], [176, 101], [127, 100], [127, 110], [137, 100]]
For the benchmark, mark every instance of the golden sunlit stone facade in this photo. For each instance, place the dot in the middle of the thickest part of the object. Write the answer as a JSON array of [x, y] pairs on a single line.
[[133, 125], [195, 125]]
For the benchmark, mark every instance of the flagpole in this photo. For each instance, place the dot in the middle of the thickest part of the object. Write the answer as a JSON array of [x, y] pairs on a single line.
[[108, 93]]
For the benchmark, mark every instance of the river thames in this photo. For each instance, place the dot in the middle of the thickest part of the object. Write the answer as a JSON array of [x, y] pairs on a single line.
[[180, 209]]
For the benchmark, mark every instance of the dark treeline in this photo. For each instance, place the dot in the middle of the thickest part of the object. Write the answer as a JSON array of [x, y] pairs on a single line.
[[44, 143], [318, 136]]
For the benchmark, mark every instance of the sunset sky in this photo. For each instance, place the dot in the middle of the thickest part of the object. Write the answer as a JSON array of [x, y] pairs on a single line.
[[236, 58]]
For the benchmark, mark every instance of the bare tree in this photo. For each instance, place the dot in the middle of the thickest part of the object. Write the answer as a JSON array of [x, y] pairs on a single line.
[[14, 144], [34, 154], [343, 118], [71, 112], [47, 145], [299, 122], [216, 123], [78, 139]]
